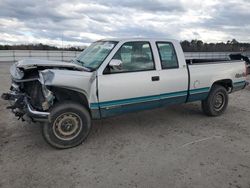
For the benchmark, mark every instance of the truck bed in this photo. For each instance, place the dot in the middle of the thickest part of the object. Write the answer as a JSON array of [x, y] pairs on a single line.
[[231, 58], [202, 75]]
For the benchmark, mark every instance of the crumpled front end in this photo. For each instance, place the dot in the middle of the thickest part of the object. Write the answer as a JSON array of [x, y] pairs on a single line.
[[29, 98], [37, 86]]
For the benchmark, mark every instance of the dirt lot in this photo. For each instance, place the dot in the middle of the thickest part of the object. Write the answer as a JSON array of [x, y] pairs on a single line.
[[169, 147]]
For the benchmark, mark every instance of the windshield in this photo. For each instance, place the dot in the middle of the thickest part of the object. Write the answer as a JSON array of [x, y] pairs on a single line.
[[93, 56]]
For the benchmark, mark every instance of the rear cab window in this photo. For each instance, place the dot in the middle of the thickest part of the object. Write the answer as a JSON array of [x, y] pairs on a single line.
[[167, 55]]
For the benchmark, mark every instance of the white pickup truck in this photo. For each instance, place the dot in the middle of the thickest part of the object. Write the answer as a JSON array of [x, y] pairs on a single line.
[[113, 77]]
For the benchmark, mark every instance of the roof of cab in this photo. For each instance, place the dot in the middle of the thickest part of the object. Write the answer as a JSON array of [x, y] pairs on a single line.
[[138, 39]]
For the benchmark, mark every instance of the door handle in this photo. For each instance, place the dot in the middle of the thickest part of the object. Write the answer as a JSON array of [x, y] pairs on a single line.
[[155, 78]]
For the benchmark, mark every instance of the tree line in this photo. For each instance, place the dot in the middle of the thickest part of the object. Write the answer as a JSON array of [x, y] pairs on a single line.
[[188, 46], [200, 46]]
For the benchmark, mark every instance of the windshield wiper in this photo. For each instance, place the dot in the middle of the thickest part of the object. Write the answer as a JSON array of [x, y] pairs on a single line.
[[79, 61], [82, 64]]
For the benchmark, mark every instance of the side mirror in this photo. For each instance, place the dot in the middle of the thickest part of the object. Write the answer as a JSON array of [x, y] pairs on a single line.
[[115, 63]]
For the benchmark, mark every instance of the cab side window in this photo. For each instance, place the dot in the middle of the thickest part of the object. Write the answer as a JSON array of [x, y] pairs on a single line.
[[167, 55], [135, 56]]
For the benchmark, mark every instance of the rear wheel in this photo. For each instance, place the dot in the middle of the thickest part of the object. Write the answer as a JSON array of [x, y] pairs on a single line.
[[69, 125], [216, 102]]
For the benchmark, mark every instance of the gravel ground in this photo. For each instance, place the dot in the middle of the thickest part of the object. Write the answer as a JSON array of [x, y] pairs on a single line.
[[169, 147]]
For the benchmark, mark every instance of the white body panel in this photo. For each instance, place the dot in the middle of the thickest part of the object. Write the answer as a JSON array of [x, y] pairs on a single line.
[[173, 80], [204, 75], [127, 85]]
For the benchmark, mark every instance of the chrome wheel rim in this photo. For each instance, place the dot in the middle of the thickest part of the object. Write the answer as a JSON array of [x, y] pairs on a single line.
[[67, 126], [219, 101]]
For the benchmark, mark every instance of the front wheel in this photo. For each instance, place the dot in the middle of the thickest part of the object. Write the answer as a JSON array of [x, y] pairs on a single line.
[[69, 125], [216, 102]]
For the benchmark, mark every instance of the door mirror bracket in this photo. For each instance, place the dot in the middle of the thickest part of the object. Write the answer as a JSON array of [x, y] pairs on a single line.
[[115, 63]]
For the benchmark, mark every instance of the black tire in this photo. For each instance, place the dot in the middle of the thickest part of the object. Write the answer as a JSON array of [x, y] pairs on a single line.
[[69, 125], [216, 102]]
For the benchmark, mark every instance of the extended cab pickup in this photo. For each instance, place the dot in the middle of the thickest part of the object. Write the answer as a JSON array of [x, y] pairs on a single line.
[[113, 77]]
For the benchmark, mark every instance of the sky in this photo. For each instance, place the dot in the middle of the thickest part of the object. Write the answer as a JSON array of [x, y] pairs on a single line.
[[80, 22]]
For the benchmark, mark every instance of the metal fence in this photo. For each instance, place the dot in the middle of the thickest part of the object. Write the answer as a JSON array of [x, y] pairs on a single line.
[[16, 55]]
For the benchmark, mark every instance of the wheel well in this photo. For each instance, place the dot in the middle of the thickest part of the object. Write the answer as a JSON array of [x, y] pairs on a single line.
[[62, 94], [227, 83]]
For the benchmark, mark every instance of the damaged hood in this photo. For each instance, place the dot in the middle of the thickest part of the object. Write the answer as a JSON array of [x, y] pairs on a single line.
[[51, 73], [18, 69], [35, 63]]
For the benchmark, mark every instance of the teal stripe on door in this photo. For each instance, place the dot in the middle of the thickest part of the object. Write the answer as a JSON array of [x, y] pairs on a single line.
[[173, 94], [143, 99], [128, 101]]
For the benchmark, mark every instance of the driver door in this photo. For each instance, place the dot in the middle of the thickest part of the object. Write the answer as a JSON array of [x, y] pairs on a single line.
[[132, 86]]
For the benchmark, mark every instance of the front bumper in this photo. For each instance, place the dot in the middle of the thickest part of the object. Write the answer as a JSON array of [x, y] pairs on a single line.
[[21, 107], [37, 115]]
